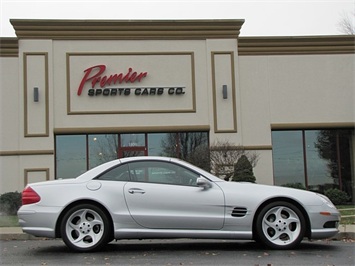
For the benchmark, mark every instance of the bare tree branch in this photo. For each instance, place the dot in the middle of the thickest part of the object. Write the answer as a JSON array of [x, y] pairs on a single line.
[[347, 23], [224, 156]]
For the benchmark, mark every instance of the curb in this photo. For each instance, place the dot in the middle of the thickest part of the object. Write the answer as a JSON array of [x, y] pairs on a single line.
[[344, 235], [22, 236], [15, 233]]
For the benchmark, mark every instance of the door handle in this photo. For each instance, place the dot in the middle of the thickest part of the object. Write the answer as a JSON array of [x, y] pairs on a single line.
[[136, 190]]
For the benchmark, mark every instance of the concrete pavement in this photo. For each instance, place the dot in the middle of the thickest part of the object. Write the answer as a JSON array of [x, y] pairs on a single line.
[[346, 231]]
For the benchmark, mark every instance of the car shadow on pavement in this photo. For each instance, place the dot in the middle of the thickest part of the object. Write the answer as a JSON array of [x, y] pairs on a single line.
[[173, 245], [129, 246]]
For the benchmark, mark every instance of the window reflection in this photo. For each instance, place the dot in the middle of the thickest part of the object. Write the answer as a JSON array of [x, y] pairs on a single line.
[[120, 173], [319, 176], [162, 173], [72, 150], [336, 147], [155, 145], [102, 148], [70, 156], [132, 140], [189, 146], [318, 159], [288, 157]]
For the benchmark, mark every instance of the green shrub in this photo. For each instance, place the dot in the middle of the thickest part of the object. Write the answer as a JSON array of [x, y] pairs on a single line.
[[337, 196], [243, 171], [10, 202], [295, 185]]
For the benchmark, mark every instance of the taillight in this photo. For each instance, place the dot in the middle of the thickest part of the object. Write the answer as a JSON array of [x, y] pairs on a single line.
[[29, 196]]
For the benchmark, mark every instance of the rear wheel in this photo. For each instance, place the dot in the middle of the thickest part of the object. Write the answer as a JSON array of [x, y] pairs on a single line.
[[85, 227], [280, 225]]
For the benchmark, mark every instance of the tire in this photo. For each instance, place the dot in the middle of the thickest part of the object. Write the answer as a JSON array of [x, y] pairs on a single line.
[[85, 228], [280, 225]]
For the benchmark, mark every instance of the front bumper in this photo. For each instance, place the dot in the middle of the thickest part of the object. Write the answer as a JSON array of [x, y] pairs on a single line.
[[324, 224], [323, 233]]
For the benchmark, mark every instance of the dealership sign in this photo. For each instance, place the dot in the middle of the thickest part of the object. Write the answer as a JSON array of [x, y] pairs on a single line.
[[130, 83], [95, 76], [98, 81]]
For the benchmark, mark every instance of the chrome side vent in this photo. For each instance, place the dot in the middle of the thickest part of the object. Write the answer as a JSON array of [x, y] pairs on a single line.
[[239, 212]]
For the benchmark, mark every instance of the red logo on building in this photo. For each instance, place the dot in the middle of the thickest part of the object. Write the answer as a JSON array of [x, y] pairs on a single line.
[[95, 75]]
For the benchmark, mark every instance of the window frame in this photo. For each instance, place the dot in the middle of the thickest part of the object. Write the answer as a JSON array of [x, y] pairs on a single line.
[[179, 168]]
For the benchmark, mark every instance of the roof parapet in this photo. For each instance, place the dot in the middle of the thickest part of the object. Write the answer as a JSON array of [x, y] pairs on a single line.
[[126, 29]]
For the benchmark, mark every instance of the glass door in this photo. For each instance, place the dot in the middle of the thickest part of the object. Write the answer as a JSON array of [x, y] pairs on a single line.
[[130, 145]]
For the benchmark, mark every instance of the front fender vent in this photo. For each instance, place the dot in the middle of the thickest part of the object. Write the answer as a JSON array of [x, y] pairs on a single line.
[[239, 212]]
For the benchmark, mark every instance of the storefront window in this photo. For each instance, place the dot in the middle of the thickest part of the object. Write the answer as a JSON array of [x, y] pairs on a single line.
[[288, 157], [336, 147], [319, 176], [155, 143], [318, 159], [102, 148], [184, 144], [132, 140], [70, 156], [76, 154]]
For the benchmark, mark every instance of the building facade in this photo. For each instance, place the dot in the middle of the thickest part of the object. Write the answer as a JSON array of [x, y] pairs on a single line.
[[77, 93]]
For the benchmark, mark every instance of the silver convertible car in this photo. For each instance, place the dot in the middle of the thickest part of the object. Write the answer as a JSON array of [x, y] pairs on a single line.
[[159, 197]]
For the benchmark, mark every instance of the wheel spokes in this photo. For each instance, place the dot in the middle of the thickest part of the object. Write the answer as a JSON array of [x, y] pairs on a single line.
[[85, 228], [281, 225]]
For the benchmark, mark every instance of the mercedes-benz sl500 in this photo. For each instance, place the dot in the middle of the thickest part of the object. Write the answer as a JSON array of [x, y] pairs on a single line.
[[159, 197]]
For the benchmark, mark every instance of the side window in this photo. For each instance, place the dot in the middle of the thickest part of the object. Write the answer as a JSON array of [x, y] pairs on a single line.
[[119, 173], [162, 173]]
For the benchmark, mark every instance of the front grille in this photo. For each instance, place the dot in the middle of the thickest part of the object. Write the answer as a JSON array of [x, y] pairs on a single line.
[[239, 212]]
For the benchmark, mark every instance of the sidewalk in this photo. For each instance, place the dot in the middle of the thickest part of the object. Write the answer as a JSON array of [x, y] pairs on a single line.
[[15, 233]]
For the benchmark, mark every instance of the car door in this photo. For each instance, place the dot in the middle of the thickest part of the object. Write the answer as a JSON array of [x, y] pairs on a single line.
[[166, 196]]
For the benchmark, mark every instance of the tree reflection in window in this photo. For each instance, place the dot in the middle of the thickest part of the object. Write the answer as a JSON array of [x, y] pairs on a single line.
[[102, 148], [335, 147], [192, 147], [318, 159]]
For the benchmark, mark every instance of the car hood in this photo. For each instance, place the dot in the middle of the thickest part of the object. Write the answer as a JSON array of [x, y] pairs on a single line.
[[245, 191]]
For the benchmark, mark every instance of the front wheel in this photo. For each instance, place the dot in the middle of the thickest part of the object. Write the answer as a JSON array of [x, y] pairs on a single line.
[[280, 225], [85, 227]]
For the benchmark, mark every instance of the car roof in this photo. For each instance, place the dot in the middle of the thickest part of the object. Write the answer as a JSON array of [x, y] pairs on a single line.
[[99, 169]]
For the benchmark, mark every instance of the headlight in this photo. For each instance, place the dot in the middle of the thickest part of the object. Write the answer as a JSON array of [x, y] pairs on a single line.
[[327, 201]]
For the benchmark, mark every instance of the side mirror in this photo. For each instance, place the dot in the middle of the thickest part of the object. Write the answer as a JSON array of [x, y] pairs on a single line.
[[204, 183]]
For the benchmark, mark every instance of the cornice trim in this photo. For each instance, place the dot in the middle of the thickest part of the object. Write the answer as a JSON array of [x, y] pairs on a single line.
[[26, 152], [288, 126], [8, 47], [258, 148], [342, 44], [126, 29], [114, 130]]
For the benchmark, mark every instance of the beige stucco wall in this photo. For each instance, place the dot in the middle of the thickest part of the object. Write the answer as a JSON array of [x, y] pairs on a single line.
[[302, 89], [10, 103], [312, 89], [293, 91], [9, 123], [132, 120], [47, 64], [264, 92], [26, 148]]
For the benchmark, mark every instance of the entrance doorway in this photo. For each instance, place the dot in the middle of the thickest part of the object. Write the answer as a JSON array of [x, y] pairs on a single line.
[[130, 145]]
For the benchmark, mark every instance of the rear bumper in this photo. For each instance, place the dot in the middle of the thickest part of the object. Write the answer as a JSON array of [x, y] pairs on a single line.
[[38, 221], [39, 231]]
